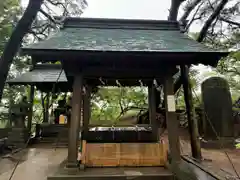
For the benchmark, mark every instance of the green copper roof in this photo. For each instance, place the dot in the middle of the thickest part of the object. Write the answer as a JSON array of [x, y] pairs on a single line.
[[42, 73], [119, 35]]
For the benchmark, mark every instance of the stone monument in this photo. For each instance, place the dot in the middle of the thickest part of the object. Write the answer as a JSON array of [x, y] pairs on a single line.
[[217, 104]]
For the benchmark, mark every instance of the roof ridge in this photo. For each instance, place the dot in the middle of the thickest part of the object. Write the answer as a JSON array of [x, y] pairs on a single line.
[[104, 23]]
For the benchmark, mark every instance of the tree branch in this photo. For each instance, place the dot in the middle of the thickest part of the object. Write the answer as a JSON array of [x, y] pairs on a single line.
[[234, 71], [209, 21], [65, 11], [193, 18], [189, 9], [47, 16], [229, 21]]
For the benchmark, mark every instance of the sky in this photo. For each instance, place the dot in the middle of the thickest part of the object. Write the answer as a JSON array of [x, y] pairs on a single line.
[[144, 9], [128, 9], [134, 9]]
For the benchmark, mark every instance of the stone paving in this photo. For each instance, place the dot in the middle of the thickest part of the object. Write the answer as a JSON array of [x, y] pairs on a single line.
[[35, 163]]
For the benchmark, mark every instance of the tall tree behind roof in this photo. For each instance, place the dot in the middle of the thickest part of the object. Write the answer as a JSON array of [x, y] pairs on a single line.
[[24, 26], [218, 19], [9, 9]]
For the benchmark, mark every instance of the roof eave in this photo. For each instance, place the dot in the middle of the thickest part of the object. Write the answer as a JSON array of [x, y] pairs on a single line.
[[45, 55], [32, 82]]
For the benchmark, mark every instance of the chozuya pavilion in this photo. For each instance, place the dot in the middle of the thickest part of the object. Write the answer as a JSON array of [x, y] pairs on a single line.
[[127, 51]]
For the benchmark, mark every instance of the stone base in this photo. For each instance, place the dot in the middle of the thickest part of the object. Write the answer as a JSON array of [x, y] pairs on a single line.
[[17, 137], [218, 144], [237, 130], [137, 173], [72, 165]]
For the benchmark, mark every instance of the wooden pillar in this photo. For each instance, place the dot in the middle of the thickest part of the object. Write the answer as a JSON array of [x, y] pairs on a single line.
[[11, 102], [203, 119], [171, 119], [43, 106], [152, 110], [30, 113], [192, 120], [75, 121], [86, 110], [47, 107]]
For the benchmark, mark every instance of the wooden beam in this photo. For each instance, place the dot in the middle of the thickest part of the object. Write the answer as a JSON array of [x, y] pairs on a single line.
[[30, 114], [191, 115], [86, 110], [124, 82], [152, 109], [171, 118], [122, 125], [75, 121], [124, 73]]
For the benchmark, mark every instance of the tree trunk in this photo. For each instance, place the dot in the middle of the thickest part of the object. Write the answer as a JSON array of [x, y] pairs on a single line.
[[172, 17], [174, 9], [191, 114], [203, 31], [15, 40]]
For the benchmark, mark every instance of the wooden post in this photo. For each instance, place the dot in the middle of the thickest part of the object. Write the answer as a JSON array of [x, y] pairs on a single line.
[[30, 113], [192, 120], [43, 106], [75, 121], [152, 110], [11, 102], [203, 119], [171, 119], [86, 110], [47, 107]]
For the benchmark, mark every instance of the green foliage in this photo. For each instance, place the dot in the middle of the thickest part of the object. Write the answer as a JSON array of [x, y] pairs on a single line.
[[195, 83], [110, 103], [9, 10], [230, 66]]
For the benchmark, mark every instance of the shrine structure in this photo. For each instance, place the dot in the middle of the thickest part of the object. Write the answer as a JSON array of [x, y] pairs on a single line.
[[93, 51]]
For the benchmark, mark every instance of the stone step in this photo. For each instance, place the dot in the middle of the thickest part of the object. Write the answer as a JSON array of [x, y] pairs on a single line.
[[117, 173], [60, 145], [53, 141]]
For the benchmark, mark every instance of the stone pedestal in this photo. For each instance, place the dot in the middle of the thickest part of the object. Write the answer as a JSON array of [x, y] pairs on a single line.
[[17, 137], [72, 165]]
